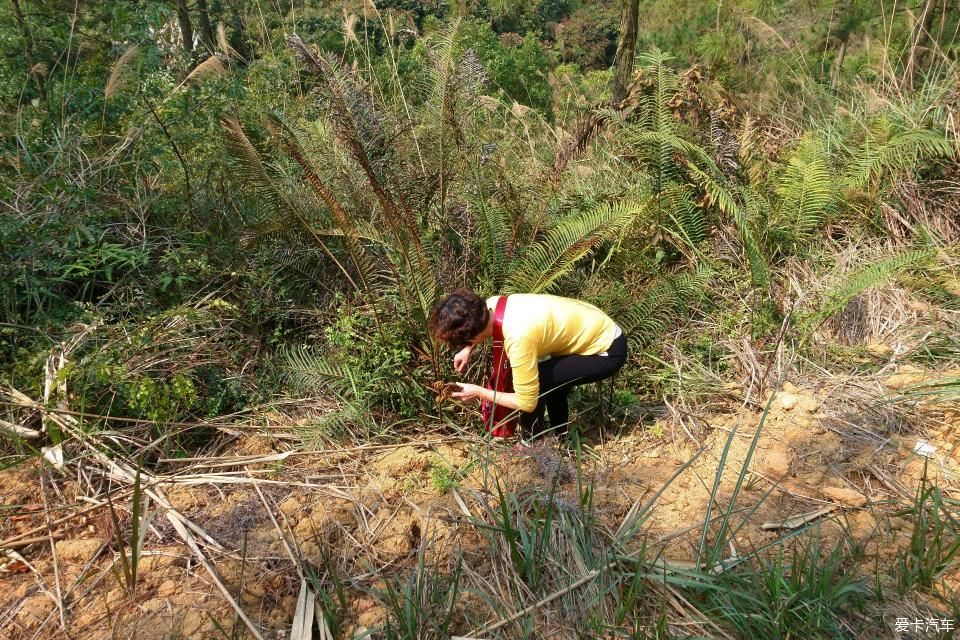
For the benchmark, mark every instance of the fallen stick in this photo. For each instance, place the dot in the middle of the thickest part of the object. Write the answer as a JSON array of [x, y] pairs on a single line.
[[26, 542], [796, 521], [18, 431], [53, 553], [242, 460]]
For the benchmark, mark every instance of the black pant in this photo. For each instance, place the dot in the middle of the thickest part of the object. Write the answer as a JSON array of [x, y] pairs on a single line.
[[560, 374]]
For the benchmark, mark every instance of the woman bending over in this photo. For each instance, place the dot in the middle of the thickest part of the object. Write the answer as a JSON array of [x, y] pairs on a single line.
[[552, 343]]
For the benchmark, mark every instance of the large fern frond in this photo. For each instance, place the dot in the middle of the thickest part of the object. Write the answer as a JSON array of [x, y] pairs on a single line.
[[807, 196], [859, 280], [662, 303], [656, 112], [684, 218], [362, 130], [457, 83], [325, 194], [262, 184], [417, 289], [661, 144], [718, 196], [901, 151], [495, 235], [267, 188], [543, 264], [308, 371]]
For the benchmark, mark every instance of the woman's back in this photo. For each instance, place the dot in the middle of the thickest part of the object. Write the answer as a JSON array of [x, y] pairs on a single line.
[[552, 325]]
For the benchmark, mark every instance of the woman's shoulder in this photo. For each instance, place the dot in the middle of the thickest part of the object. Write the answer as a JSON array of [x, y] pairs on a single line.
[[540, 300]]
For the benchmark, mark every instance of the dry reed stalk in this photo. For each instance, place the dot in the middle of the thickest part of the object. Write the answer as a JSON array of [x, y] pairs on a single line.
[[53, 552], [117, 71], [214, 462], [17, 399], [82, 577], [303, 617], [361, 449], [18, 431], [224, 44], [331, 490], [26, 542]]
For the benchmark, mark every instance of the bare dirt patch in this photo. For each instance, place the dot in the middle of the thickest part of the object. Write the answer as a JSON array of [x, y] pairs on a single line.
[[381, 509]]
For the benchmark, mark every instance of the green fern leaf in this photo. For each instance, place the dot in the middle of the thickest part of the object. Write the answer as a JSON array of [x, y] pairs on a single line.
[[719, 196], [685, 220], [662, 303], [544, 263], [862, 279], [900, 152], [310, 372], [807, 199]]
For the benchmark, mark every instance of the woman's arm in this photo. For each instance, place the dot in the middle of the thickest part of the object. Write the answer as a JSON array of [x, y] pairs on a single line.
[[476, 392]]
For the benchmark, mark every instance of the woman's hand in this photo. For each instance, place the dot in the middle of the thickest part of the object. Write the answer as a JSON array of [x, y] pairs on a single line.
[[468, 392], [460, 360]]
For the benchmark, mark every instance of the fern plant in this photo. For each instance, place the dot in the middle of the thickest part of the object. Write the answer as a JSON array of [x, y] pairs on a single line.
[[540, 267], [806, 198], [404, 198], [888, 150], [858, 281], [662, 303]]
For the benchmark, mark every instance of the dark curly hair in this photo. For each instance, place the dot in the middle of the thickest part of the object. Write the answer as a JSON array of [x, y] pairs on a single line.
[[459, 318]]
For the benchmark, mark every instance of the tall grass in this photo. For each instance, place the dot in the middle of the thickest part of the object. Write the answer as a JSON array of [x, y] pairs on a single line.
[[129, 549], [934, 539]]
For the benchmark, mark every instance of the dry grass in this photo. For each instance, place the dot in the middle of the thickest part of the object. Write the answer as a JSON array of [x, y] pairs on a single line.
[[607, 538]]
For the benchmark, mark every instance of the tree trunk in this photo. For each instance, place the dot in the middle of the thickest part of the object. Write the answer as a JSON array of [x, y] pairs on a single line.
[[186, 29], [206, 31], [838, 64], [626, 49]]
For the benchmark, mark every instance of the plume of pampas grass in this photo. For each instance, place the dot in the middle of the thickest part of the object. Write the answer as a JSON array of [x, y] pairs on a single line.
[[224, 44], [117, 71], [212, 66], [350, 28]]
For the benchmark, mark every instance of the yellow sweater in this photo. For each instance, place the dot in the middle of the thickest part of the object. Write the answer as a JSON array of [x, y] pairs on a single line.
[[538, 325]]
